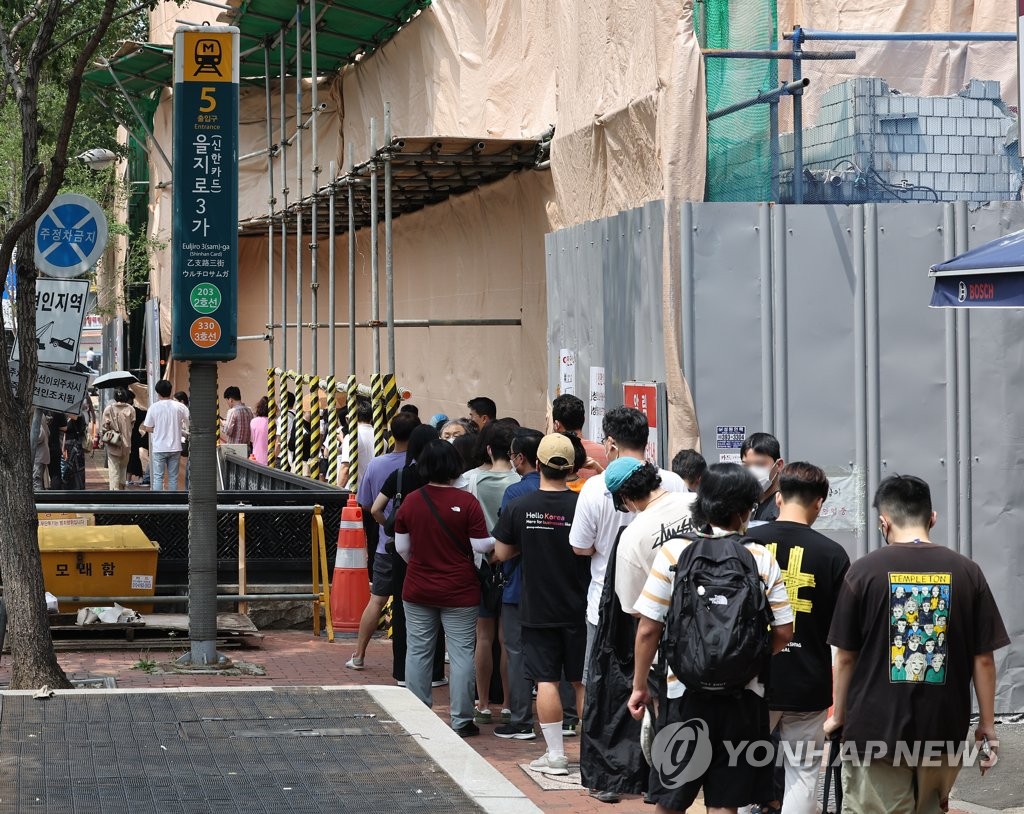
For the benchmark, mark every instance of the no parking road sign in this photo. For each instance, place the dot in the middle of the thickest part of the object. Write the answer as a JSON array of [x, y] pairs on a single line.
[[70, 236]]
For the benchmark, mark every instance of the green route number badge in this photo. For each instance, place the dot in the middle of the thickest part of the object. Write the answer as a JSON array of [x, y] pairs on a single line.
[[205, 298]]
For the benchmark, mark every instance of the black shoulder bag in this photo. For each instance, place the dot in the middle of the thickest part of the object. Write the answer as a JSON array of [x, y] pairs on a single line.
[[396, 502], [492, 582]]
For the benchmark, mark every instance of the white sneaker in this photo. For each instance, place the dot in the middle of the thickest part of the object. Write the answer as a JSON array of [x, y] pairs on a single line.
[[355, 663], [441, 682], [546, 764]]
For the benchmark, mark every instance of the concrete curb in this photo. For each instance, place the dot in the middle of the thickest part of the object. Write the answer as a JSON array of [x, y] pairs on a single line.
[[972, 808], [477, 778], [480, 781]]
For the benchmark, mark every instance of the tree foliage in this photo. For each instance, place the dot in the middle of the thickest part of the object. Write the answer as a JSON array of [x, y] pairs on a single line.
[[45, 48]]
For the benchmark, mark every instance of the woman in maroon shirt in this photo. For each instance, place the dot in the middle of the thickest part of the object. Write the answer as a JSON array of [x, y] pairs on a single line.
[[438, 530]]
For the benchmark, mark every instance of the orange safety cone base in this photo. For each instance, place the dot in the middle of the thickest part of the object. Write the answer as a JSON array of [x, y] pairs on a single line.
[[350, 590]]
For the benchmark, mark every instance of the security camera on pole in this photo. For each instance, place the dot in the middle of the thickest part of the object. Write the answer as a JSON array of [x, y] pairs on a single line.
[[204, 285]]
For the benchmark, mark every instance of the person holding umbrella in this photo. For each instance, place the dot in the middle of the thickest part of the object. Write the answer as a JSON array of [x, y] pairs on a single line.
[[116, 433]]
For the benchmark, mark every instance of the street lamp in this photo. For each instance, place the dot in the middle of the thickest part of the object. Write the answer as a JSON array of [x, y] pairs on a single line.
[[98, 158]]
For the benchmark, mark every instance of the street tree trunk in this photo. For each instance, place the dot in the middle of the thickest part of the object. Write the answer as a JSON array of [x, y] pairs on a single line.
[[22, 62]]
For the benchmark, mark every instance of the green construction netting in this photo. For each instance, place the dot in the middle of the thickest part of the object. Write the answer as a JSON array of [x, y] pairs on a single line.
[[346, 31], [739, 145], [141, 67]]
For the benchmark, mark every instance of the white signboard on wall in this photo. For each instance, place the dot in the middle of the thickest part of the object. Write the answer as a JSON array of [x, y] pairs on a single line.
[[567, 372], [596, 405], [844, 506]]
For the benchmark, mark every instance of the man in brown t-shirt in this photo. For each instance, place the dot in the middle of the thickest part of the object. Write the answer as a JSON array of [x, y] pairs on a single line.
[[902, 709]]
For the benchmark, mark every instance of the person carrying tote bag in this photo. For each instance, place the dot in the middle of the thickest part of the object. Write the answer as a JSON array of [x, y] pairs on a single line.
[[442, 589]]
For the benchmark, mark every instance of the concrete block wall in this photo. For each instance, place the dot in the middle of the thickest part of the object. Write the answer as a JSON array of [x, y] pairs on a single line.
[[959, 146]]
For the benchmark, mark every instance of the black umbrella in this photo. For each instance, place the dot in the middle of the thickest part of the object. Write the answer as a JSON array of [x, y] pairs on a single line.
[[116, 378]]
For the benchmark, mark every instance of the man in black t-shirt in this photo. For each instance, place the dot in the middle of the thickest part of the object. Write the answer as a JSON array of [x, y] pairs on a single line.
[[553, 602], [813, 567], [889, 696]]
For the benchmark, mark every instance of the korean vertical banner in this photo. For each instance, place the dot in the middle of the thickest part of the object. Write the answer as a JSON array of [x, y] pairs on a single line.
[[204, 283]]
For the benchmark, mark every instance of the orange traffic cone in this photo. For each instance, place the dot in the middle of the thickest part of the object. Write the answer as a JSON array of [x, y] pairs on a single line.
[[350, 590]]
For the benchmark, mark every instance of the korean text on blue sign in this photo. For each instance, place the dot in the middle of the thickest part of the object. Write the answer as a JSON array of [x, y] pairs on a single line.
[[730, 437], [70, 236], [204, 289]]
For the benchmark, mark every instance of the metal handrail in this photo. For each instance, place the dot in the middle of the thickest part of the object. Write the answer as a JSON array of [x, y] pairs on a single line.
[[136, 508]]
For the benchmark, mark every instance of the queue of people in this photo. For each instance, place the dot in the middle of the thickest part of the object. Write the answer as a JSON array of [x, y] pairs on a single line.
[[668, 615]]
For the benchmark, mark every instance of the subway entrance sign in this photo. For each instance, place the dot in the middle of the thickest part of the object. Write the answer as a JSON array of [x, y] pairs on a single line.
[[204, 283]]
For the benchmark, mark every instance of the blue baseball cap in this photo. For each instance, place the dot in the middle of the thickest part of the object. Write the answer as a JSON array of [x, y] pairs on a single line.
[[618, 472]]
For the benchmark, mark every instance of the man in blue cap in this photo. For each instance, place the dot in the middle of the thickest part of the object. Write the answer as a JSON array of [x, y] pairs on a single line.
[[635, 486]]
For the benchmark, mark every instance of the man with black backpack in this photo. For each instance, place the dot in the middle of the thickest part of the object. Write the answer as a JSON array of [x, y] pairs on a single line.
[[720, 600]]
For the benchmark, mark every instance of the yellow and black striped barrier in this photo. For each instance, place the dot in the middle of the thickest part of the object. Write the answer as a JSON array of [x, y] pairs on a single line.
[[333, 428], [352, 437], [380, 438], [390, 397], [314, 427], [297, 436], [271, 415]]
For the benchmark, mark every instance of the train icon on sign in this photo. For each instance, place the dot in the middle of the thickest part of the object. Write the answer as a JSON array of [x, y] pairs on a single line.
[[208, 56]]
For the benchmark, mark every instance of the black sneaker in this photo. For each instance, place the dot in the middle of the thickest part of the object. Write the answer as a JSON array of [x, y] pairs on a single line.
[[569, 726], [468, 730], [519, 732]]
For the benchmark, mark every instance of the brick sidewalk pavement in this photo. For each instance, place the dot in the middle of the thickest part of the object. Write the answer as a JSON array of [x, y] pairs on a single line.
[[293, 658]]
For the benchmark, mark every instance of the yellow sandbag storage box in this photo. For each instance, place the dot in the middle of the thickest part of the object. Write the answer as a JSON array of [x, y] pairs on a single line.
[[98, 561]]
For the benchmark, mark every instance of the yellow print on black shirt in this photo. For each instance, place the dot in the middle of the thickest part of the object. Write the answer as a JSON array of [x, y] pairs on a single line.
[[795, 579], [918, 624]]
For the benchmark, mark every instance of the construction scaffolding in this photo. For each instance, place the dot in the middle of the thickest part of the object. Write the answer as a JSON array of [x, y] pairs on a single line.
[[298, 40]]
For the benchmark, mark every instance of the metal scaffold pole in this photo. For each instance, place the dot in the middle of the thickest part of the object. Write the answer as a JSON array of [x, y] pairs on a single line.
[[299, 169], [282, 93], [351, 266], [332, 368], [271, 201], [314, 266], [389, 265], [374, 264]]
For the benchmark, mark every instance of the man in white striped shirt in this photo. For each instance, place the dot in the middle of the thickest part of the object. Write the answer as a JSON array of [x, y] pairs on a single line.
[[725, 499]]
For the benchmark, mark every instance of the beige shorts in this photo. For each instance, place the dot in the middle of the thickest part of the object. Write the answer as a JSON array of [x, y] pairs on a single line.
[[879, 788]]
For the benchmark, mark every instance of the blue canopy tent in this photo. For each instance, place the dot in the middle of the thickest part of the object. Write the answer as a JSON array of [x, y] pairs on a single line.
[[990, 276]]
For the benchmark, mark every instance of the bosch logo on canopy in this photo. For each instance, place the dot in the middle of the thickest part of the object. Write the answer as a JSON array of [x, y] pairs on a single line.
[[980, 291]]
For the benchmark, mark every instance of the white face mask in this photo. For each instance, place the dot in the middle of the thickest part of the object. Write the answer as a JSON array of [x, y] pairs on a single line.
[[763, 475]]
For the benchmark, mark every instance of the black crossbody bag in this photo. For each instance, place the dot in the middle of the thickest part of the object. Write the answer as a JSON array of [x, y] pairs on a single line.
[[492, 582]]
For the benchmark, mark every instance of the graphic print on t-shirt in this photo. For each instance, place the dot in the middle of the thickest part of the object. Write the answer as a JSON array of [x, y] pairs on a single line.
[[795, 579], [918, 617]]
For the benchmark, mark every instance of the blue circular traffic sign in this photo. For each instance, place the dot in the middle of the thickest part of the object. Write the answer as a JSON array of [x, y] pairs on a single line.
[[70, 236]]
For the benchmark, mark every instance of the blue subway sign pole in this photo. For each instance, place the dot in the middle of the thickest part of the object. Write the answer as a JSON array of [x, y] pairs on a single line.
[[204, 306]]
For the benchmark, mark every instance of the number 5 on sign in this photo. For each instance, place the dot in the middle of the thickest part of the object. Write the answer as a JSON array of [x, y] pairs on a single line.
[[209, 100]]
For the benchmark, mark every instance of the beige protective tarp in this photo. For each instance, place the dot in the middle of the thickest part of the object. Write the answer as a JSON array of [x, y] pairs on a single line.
[[480, 255], [916, 68], [898, 15], [498, 69]]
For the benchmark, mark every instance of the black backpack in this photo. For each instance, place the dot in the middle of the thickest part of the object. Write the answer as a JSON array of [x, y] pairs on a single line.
[[717, 632]]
